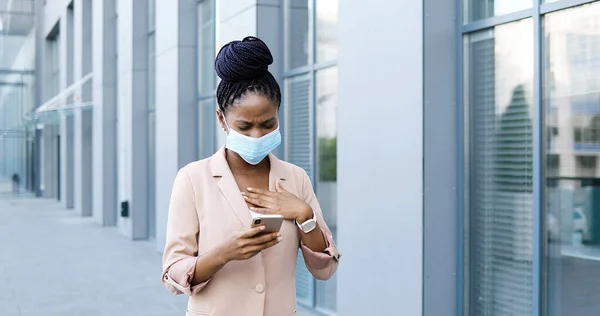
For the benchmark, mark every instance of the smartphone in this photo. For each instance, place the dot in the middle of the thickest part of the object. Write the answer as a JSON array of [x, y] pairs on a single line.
[[272, 222]]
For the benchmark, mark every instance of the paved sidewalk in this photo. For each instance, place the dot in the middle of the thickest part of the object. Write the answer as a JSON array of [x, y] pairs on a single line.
[[55, 263]]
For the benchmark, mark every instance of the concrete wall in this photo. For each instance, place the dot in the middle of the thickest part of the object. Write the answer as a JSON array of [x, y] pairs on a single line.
[[176, 100], [66, 123], [383, 221], [240, 18], [83, 119], [105, 114], [132, 109]]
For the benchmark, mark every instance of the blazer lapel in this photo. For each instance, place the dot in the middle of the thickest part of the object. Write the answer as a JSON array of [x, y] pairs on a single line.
[[229, 187], [276, 173]]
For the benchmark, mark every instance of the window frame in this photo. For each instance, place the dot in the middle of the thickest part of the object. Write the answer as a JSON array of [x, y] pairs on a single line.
[[465, 27], [202, 97], [309, 70]]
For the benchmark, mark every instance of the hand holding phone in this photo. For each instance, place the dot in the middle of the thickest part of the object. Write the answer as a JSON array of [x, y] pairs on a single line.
[[272, 222], [247, 243]]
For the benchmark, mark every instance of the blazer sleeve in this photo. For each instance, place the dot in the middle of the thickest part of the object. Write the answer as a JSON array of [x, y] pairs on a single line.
[[322, 265], [181, 247]]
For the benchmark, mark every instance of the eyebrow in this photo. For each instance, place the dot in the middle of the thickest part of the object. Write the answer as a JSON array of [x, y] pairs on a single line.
[[243, 121]]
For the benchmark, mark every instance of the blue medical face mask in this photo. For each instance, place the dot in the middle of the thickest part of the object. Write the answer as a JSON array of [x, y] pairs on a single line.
[[252, 150]]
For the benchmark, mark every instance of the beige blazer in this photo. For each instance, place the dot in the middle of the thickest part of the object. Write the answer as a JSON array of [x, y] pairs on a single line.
[[206, 206]]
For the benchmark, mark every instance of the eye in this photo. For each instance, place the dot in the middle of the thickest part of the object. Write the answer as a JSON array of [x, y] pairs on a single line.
[[268, 125], [244, 127]]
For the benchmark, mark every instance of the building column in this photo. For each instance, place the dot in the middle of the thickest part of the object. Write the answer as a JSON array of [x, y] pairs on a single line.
[[104, 113], [49, 136], [66, 124], [176, 100], [385, 216], [132, 112], [83, 142], [261, 19]]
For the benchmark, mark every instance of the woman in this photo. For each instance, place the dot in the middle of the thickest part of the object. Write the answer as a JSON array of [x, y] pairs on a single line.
[[212, 254]]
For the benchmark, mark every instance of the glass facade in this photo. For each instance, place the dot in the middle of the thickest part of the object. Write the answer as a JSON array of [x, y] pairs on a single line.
[[483, 9], [207, 80], [531, 145], [572, 106], [500, 140], [310, 105]]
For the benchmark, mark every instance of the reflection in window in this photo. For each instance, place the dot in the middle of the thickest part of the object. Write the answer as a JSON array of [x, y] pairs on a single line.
[[483, 9], [326, 30], [572, 43], [206, 48], [299, 151], [296, 30], [500, 168], [326, 111]]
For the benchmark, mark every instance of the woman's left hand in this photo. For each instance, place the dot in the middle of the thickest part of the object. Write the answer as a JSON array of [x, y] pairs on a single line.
[[279, 202]]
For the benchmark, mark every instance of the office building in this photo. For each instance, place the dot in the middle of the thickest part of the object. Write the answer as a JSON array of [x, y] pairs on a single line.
[[453, 145]]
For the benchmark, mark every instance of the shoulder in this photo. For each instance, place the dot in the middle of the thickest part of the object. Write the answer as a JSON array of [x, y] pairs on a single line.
[[197, 169], [292, 170]]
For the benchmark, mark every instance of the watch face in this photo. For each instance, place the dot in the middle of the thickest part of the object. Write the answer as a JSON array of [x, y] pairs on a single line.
[[309, 226]]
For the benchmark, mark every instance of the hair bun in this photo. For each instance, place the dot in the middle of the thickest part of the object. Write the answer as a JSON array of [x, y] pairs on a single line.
[[243, 60]]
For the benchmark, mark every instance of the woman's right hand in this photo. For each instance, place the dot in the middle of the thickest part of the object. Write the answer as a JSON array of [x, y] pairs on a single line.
[[247, 243]]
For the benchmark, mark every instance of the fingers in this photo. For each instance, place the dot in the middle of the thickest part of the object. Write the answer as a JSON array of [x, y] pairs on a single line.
[[262, 192], [258, 200], [253, 231], [266, 238], [263, 210]]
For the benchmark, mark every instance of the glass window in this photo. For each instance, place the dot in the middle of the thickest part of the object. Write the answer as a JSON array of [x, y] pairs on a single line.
[[207, 121], [572, 208], [298, 123], [296, 39], [499, 166], [326, 28], [326, 85], [483, 9], [299, 151], [206, 48]]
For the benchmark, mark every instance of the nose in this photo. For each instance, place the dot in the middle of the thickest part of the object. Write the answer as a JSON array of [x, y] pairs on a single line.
[[256, 133]]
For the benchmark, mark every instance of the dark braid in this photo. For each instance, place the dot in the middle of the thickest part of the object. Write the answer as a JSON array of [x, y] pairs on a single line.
[[243, 67]]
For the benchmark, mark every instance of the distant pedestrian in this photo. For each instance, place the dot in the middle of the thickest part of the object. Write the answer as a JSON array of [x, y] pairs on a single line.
[[16, 181], [219, 249]]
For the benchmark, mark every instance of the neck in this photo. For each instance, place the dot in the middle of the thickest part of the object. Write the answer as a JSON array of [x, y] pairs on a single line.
[[238, 164]]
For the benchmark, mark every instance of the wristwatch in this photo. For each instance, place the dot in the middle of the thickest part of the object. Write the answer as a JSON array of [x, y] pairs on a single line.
[[309, 225]]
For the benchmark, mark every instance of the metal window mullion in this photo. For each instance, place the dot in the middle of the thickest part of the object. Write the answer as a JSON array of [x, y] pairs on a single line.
[[297, 71], [311, 108], [461, 298], [497, 20], [561, 5], [538, 163], [324, 65]]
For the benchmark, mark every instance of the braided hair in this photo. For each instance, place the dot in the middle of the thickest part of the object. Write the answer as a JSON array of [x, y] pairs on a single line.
[[243, 67]]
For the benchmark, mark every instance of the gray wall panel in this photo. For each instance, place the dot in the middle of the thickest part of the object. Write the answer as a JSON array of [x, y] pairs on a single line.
[[380, 158], [440, 146]]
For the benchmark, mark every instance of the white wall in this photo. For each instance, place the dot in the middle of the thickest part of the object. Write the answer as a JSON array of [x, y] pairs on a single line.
[[132, 114], [176, 100], [104, 118], [380, 205]]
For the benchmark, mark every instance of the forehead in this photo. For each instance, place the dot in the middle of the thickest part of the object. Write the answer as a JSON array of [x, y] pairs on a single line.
[[252, 107]]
